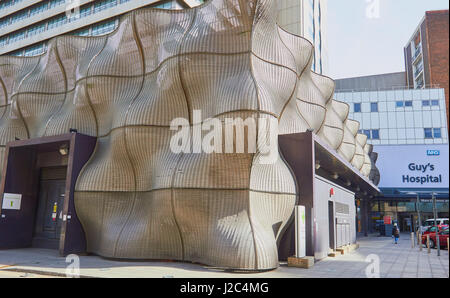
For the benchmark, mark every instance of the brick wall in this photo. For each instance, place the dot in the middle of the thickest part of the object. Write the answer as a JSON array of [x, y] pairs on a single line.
[[438, 45]]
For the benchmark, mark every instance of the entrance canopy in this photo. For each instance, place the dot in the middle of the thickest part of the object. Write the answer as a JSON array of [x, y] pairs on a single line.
[[319, 158]]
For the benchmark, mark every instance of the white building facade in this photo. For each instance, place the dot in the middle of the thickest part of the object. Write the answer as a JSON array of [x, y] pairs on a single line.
[[408, 128], [307, 18], [396, 117]]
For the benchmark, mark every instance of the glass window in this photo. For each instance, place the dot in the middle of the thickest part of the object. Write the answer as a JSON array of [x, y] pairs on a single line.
[[357, 107], [435, 102], [408, 103], [428, 133], [374, 107], [425, 103], [437, 133], [103, 28], [399, 104], [102, 5], [83, 32], [375, 134], [85, 11], [16, 36], [54, 3], [36, 29], [57, 21], [3, 41], [35, 50], [367, 132], [38, 8]]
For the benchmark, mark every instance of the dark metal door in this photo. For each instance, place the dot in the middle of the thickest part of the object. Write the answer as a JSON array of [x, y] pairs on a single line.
[[51, 200], [49, 216]]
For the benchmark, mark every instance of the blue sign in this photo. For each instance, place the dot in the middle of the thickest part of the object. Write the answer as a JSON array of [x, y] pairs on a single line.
[[433, 152]]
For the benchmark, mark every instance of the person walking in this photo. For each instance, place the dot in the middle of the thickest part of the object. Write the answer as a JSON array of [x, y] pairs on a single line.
[[396, 233]]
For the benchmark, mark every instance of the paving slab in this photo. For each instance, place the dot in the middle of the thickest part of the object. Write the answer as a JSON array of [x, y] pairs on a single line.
[[390, 260]]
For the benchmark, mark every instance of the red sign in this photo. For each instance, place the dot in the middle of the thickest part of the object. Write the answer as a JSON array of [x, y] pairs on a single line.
[[387, 220], [331, 192]]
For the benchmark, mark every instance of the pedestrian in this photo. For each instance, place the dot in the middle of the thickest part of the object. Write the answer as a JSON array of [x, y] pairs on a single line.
[[395, 233]]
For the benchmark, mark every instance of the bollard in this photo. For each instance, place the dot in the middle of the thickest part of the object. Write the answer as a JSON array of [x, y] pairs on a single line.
[[419, 239], [412, 240], [428, 243], [420, 245]]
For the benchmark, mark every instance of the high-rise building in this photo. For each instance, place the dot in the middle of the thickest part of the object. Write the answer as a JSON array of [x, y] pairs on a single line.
[[307, 18], [426, 53], [27, 25]]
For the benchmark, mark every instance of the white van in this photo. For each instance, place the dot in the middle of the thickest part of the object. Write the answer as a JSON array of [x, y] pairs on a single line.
[[430, 222]]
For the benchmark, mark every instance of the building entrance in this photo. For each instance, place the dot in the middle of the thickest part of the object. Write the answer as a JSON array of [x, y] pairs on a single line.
[[37, 193], [49, 214]]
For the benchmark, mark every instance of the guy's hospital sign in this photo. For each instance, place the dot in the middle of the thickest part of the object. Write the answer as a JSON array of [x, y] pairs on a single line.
[[413, 166]]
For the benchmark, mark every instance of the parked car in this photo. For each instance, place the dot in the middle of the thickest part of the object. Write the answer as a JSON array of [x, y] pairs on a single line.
[[432, 229], [443, 236], [430, 222]]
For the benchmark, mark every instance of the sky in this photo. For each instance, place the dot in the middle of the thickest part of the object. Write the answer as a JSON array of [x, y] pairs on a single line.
[[366, 39]]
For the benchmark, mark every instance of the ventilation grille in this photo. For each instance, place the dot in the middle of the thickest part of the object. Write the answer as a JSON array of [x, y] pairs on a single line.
[[342, 208]]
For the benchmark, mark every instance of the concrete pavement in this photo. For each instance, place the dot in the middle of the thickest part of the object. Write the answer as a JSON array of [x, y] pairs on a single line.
[[395, 261]]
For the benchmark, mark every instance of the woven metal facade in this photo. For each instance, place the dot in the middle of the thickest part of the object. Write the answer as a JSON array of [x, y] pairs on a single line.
[[136, 198]]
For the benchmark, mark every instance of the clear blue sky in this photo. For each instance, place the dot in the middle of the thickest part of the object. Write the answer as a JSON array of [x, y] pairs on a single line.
[[359, 45]]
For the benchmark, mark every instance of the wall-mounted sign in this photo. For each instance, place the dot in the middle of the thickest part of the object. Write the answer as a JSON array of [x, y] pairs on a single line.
[[11, 201], [413, 166], [433, 152]]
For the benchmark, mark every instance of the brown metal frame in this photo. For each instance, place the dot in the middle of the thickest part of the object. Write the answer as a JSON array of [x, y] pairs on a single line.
[[21, 175]]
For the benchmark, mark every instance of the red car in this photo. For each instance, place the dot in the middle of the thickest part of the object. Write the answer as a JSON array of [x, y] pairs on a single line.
[[432, 230], [443, 236]]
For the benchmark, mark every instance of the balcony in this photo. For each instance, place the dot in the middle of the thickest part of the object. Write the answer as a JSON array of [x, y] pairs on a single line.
[[418, 71], [417, 53]]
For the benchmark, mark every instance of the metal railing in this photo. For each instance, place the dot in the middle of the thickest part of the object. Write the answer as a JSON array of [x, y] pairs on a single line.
[[418, 70], [417, 52]]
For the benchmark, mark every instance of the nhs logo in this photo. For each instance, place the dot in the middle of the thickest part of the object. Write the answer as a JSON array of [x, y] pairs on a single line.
[[433, 152]]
